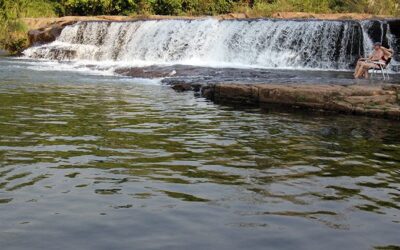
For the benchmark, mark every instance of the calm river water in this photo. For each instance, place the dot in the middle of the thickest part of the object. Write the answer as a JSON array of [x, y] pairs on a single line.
[[101, 162]]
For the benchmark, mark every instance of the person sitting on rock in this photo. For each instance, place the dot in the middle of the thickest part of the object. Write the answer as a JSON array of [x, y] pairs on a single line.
[[380, 54]]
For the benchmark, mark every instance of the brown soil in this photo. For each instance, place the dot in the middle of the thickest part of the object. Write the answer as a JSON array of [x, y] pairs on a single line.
[[36, 23]]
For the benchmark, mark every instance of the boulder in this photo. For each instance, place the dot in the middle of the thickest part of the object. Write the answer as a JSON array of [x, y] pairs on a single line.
[[181, 87], [47, 34], [237, 93]]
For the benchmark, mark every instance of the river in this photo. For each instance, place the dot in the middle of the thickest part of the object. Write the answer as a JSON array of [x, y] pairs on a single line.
[[91, 161]]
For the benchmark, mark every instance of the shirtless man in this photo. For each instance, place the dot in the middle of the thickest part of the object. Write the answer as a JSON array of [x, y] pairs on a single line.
[[380, 54]]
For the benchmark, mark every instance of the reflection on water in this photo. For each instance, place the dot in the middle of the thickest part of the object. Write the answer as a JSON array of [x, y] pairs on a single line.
[[114, 165]]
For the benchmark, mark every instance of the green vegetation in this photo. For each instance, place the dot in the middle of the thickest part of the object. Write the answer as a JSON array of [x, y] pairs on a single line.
[[12, 30], [215, 7], [96, 7], [375, 7]]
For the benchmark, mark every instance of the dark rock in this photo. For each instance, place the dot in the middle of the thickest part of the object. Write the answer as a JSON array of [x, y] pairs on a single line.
[[182, 87], [148, 72], [47, 34], [196, 87], [375, 101], [394, 26], [208, 92], [377, 31]]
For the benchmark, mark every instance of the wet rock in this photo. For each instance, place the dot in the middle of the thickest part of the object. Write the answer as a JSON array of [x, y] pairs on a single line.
[[377, 32], [148, 72], [47, 34], [46, 30], [196, 87], [377, 101], [181, 87], [394, 26], [237, 93], [208, 92]]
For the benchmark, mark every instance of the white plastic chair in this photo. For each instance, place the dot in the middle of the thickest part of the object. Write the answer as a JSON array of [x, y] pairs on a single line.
[[383, 68]]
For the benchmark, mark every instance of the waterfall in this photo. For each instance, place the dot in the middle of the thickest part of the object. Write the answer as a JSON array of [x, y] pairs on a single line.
[[263, 43]]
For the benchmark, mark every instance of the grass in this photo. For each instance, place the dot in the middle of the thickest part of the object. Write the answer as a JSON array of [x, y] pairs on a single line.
[[12, 30]]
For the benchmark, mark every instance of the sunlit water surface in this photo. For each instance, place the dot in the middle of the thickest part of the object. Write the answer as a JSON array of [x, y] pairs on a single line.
[[101, 162]]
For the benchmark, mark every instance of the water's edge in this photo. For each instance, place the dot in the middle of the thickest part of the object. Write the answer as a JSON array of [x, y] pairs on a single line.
[[157, 48], [381, 101]]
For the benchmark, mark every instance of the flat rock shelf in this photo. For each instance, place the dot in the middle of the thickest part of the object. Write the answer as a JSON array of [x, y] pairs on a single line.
[[370, 100]]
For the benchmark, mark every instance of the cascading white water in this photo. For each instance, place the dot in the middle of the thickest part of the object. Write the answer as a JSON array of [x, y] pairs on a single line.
[[210, 42]]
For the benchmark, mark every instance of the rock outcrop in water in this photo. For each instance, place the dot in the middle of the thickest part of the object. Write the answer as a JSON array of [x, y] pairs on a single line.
[[46, 30], [370, 100], [47, 34]]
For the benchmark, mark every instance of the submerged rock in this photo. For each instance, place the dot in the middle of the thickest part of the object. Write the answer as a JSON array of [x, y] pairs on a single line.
[[182, 86], [147, 72]]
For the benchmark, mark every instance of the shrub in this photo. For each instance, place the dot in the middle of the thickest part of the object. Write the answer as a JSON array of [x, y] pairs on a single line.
[[16, 45], [99, 7], [168, 7], [145, 7]]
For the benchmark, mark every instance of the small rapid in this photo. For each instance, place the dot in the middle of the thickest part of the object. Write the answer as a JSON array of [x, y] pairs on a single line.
[[210, 42], [261, 43]]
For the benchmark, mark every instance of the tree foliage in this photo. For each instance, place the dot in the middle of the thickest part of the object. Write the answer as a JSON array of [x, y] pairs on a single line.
[[34, 8], [97, 7]]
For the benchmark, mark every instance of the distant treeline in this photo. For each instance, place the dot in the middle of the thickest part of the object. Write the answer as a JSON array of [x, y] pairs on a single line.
[[12, 10]]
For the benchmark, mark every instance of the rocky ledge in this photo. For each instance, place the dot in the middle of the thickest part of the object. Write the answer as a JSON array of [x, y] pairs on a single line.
[[369, 100], [47, 29]]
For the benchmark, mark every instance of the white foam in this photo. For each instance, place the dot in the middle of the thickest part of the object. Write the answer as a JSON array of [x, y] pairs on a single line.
[[267, 44]]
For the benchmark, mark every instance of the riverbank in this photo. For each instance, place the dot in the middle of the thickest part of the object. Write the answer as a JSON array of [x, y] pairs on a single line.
[[361, 99], [37, 23]]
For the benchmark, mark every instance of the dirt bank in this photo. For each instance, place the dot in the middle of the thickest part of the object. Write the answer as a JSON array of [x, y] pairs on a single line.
[[37, 23], [369, 100]]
